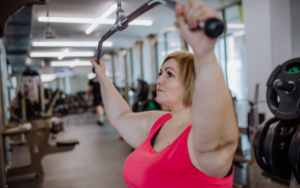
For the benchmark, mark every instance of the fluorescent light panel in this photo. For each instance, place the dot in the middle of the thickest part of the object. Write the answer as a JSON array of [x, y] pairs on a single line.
[[66, 20], [239, 33], [91, 20], [47, 77], [235, 26], [69, 44], [57, 54], [102, 17], [70, 63], [91, 75], [60, 57]]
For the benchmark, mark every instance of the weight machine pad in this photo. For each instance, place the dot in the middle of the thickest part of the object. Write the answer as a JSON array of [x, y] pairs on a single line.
[[70, 142]]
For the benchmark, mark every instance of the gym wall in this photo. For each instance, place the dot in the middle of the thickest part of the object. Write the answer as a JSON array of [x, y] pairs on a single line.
[[269, 41]]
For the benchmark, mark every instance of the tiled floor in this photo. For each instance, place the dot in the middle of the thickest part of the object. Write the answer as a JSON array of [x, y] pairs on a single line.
[[96, 162]]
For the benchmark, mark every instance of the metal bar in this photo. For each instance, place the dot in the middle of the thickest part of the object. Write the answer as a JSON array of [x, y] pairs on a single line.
[[123, 23], [119, 5]]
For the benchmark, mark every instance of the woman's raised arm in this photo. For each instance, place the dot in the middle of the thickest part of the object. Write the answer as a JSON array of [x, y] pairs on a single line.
[[133, 127], [214, 130]]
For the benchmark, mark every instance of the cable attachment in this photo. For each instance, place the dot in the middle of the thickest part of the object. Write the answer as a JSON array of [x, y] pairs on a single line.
[[120, 15]]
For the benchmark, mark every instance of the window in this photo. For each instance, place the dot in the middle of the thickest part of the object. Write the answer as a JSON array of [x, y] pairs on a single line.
[[167, 43]]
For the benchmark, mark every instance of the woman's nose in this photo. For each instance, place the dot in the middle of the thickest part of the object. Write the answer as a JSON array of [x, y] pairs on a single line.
[[160, 80]]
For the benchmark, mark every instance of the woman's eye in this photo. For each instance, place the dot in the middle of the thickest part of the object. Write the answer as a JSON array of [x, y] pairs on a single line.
[[170, 74], [159, 74]]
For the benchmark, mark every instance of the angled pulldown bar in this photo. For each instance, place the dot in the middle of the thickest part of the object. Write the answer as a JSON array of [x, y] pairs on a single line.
[[212, 27]]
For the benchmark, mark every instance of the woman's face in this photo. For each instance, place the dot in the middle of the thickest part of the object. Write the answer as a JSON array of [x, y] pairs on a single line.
[[169, 89]]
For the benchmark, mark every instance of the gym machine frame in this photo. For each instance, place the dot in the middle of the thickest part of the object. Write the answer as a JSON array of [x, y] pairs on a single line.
[[213, 27], [36, 134], [8, 8]]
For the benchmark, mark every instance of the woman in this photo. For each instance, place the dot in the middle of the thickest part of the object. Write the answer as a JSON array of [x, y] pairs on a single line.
[[193, 146]]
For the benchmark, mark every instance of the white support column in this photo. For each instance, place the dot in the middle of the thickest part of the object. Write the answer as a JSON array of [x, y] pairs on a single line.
[[68, 90], [120, 69], [268, 42], [295, 15], [148, 67]]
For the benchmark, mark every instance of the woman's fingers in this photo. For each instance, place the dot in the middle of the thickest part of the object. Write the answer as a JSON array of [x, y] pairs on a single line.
[[195, 12], [179, 10], [182, 23]]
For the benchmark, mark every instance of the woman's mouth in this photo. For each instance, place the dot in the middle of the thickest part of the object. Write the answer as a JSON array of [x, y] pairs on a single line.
[[159, 90]]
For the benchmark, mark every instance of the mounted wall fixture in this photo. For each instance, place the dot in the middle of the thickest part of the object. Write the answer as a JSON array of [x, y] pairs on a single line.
[[8, 8]]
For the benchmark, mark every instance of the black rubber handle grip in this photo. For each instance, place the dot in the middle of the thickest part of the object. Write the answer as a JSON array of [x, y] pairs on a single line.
[[212, 27]]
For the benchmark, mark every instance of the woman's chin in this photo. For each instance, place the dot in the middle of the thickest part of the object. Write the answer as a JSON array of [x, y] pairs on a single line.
[[160, 100]]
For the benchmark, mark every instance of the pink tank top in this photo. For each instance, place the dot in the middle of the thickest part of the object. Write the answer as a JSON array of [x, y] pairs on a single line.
[[171, 167]]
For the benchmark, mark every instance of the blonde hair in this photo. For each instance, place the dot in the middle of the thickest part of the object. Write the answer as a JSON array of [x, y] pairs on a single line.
[[186, 74]]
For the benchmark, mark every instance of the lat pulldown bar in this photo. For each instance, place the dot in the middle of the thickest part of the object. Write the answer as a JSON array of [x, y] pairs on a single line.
[[212, 27]]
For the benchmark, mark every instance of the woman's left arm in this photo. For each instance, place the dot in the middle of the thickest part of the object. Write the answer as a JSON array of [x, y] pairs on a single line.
[[214, 130]]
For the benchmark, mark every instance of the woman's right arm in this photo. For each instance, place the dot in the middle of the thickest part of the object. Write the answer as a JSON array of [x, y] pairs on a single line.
[[133, 127]]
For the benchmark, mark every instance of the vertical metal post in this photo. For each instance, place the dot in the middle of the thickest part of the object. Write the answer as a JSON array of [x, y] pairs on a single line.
[[155, 60], [42, 102], [131, 68], [184, 45], [113, 67], [22, 84], [126, 80], [225, 46], [119, 5], [153, 56], [166, 43], [140, 53]]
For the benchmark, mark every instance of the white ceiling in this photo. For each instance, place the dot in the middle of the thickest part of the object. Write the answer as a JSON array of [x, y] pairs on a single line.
[[160, 15]]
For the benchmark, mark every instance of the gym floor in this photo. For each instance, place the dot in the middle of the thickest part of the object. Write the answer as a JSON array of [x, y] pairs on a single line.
[[96, 162]]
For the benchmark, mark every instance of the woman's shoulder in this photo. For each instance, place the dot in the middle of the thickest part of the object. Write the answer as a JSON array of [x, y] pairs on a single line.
[[154, 116]]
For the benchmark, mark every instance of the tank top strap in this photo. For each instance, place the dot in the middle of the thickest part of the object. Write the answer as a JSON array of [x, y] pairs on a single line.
[[183, 139], [162, 120]]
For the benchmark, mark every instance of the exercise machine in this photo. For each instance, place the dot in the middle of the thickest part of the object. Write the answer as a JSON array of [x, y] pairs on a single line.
[[35, 124]]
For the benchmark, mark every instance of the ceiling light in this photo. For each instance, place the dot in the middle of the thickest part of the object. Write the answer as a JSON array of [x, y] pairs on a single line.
[[66, 20], [70, 63], [174, 44], [235, 26], [61, 56], [102, 17], [239, 33], [48, 77], [91, 20], [56, 54], [91, 75], [69, 44]]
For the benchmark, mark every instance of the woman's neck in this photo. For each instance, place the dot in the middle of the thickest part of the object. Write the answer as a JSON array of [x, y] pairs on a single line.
[[181, 116]]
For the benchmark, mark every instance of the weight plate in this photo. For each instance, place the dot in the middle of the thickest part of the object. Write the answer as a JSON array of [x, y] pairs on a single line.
[[258, 144], [294, 155], [276, 147], [283, 91]]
